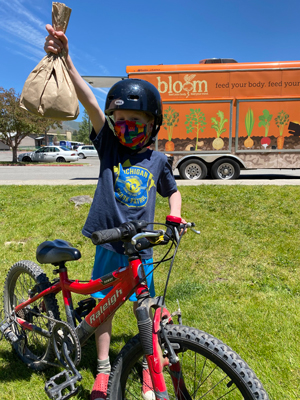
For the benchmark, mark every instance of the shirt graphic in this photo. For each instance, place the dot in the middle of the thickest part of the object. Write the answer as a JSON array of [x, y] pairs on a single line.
[[132, 185]]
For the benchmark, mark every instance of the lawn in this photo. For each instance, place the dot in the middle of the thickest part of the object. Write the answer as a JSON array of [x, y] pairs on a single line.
[[238, 280]]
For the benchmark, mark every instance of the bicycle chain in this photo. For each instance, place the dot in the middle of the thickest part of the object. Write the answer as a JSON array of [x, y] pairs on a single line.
[[67, 326], [76, 350]]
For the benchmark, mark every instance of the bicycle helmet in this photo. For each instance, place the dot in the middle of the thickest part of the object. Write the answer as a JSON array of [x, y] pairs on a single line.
[[138, 95]]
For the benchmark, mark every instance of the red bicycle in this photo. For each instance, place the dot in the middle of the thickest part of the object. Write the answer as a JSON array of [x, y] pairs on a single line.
[[184, 363]]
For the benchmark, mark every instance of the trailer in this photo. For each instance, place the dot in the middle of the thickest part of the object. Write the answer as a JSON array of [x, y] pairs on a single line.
[[220, 117]]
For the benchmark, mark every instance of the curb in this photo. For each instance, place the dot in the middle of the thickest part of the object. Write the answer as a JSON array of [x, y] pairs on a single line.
[[40, 165], [179, 182]]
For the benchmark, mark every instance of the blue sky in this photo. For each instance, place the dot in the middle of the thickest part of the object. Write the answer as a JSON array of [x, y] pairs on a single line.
[[106, 36]]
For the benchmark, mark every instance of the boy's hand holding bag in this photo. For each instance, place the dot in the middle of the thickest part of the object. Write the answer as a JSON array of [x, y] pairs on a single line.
[[48, 90]]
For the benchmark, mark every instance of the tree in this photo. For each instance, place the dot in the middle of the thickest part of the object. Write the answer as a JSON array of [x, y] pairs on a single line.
[[17, 123], [75, 135], [84, 129]]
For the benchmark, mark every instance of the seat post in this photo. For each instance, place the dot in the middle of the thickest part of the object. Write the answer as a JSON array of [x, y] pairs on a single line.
[[67, 296]]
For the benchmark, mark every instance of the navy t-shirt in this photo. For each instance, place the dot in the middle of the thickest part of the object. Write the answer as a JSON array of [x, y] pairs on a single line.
[[127, 186]]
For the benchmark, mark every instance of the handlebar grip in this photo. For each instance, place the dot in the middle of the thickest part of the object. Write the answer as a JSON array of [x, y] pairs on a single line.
[[106, 236]]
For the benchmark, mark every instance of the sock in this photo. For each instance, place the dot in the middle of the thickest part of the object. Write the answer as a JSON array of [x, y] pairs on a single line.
[[144, 363], [103, 366]]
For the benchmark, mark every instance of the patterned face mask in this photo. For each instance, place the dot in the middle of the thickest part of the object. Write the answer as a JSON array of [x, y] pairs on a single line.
[[132, 134]]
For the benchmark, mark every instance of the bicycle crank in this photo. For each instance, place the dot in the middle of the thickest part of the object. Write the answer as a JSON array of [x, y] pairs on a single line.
[[67, 348]]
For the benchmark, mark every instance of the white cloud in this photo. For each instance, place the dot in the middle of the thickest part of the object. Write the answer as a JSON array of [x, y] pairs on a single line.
[[102, 90], [22, 32], [34, 55], [18, 9], [82, 59]]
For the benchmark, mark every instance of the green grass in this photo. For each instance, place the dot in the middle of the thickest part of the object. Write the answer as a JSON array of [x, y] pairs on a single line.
[[238, 280]]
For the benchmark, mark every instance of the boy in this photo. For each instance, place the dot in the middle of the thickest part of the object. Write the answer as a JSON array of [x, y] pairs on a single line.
[[130, 176]]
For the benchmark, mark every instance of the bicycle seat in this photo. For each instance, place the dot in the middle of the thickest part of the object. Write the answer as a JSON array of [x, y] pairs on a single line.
[[56, 252]]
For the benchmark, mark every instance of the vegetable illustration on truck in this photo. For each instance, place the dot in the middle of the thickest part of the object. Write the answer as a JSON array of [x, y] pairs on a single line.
[[281, 120], [249, 123], [264, 120], [218, 143], [195, 120], [221, 116], [170, 121]]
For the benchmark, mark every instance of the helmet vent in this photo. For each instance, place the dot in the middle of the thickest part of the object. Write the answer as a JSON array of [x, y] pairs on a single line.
[[133, 97]]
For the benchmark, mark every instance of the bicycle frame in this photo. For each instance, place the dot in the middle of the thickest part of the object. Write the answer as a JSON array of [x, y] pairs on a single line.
[[157, 337], [123, 282]]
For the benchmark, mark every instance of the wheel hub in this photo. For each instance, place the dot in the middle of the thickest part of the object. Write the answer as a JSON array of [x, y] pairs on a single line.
[[193, 171], [225, 171]]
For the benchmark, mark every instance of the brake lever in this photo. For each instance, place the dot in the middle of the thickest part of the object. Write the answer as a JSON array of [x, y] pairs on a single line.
[[142, 235], [190, 225]]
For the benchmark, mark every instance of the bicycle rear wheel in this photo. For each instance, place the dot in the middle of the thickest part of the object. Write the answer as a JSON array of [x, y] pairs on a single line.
[[210, 370], [23, 280]]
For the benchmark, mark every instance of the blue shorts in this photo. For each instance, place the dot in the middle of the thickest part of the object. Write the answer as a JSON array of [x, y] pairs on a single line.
[[107, 261]]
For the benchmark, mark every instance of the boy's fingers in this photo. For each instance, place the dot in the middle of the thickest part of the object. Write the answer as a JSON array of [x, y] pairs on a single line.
[[55, 41], [57, 34], [62, 37], [53, 45], [50, 29]]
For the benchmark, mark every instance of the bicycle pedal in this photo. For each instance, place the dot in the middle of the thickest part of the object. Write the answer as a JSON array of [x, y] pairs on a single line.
[[54, 390]]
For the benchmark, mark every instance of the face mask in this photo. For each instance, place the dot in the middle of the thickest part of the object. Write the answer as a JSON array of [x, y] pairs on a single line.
[[132, 134]]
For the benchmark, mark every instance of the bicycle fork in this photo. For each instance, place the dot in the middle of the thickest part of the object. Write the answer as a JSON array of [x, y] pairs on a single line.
[[150, 333]]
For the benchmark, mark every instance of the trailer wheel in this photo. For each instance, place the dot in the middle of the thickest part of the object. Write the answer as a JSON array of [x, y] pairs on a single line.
[[193, 169], [226, 168]]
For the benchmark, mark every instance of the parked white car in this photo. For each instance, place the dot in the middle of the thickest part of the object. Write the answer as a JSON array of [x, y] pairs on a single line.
[[50, 154], [86, 151]]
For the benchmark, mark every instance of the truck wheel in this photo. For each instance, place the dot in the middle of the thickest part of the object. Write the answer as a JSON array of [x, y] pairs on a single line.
[[193, 169], [225, 168]]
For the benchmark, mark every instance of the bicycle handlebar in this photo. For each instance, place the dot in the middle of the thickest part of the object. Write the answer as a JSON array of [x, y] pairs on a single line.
[[106, 236], [124, 232], [132, 230]]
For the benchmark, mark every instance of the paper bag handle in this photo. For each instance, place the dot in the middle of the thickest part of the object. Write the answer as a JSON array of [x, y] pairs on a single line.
[[60, 16]]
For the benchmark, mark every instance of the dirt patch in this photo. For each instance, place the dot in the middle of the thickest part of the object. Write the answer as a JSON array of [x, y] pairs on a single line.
[[289, 143], [204, 144]]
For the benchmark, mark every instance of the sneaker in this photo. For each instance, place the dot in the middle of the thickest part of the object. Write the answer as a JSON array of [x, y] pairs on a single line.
[[99, 391], [147, 390]]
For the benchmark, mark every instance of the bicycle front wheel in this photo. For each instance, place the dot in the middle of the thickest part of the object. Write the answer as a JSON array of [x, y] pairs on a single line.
[[209, 368], [24, 280]]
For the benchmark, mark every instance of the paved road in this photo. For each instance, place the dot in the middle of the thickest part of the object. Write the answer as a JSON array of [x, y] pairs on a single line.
[[85, 172]]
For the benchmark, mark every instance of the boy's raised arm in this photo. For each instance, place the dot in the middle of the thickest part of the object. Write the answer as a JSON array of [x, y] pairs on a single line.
[[55, 43]]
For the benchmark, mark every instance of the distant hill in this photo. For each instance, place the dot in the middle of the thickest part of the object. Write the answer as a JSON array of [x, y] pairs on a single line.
[[70, 125]]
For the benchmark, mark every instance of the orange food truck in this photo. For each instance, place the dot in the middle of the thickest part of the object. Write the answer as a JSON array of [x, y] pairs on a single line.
[[220, 117]]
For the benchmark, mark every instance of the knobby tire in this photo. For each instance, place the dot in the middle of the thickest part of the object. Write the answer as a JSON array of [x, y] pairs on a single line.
[[210, 369], [25, 276]]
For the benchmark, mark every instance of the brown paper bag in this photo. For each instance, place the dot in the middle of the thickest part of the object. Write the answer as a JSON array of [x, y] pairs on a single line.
[[48, 90]]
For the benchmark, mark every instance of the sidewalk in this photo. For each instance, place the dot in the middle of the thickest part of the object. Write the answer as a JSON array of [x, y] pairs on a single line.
[[180, 182]]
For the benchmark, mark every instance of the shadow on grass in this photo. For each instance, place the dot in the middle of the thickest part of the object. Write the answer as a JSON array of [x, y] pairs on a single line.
[[15, 370]]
